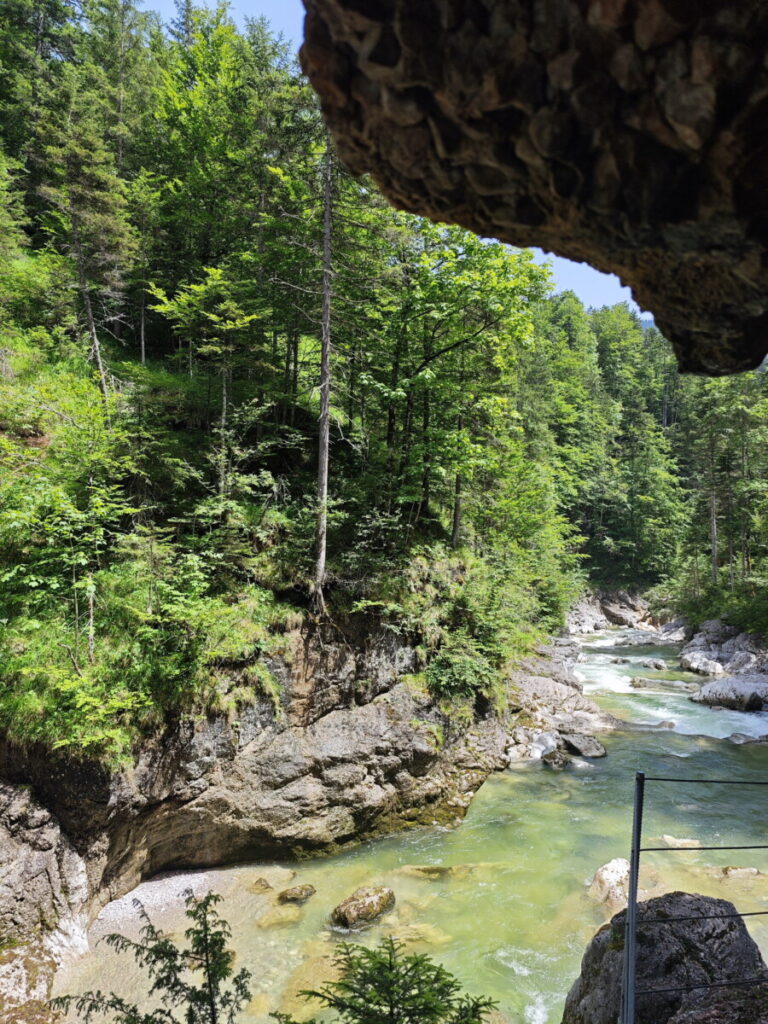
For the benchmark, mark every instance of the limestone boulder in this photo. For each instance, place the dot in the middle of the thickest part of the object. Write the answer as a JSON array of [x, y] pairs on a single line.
[[610, 883], [296, 894], [739, 693], [701, 662], [586, 746], [710, 949], [364, 906]]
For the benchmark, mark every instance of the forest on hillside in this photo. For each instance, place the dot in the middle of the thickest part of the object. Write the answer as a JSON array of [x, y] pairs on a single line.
[[201, 313]]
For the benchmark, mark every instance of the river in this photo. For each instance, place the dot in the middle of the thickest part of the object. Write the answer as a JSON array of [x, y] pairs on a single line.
[[512, 920]]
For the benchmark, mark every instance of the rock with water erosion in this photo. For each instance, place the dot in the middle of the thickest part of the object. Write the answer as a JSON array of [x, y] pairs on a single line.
[[363, 907], [657, 664], [579, 743], [610, 883], [719, 649], [358, 747], [597, 610], [621, 134], [296, 894], [44, 897], [710, 948], [739, 693]]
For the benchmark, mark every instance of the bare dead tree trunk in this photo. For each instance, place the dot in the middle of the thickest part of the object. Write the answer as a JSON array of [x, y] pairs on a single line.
[[325, 387], [223, 455], [143, 327], [456, 530], [713, 535], [85, 295], [91, 625]]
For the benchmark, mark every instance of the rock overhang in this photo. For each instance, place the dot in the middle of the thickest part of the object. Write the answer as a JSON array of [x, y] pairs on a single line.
[[630, 134]]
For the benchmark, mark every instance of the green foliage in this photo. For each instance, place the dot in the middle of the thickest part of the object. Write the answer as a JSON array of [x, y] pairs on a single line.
[[384, 985], [460, 669], [195, 984], [160, 324]]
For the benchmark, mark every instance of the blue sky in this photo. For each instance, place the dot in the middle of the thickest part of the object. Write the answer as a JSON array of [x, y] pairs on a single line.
[[287, 16]]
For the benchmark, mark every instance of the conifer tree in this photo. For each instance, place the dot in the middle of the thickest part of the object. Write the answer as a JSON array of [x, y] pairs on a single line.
[[86, 201]]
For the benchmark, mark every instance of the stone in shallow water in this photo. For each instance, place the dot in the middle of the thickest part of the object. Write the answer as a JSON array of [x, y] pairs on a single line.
[[580, 743], [297, 894], [364, 905], [259, 885], [655, 663], [611, 882], [431, 872], [680, 844], [556, 759]]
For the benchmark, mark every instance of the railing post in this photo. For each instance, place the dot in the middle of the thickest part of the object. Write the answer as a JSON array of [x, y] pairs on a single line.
[[630, 934]]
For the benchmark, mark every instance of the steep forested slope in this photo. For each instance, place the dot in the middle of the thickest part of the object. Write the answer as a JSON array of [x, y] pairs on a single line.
[[198, 306]]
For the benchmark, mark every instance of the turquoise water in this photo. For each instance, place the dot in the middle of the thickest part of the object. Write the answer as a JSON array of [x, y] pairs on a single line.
[[513, 917]]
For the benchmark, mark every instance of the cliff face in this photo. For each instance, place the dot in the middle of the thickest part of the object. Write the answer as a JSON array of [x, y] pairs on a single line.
[[355, 748]]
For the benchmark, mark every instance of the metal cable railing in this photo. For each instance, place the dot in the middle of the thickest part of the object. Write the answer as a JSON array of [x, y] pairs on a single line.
[[629, 989]]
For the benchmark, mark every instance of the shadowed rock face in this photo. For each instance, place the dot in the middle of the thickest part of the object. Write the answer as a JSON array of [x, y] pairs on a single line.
[[704, 951], [632, 134]]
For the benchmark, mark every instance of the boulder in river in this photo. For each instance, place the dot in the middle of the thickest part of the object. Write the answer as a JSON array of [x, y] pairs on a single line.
[[643, 683], [556, 759], [363, 906], [259, 885], [739, 693], [296, 894], [610, 883], [671, 954], [580, 743], [655, 663]]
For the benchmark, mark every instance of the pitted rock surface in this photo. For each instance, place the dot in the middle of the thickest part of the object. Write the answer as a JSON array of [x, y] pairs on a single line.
[[627, 133], [698, 952], [364, 906]]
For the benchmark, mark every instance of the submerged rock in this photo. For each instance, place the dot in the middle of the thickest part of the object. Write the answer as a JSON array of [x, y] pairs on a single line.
[[655, 663], [280, 916], [363, 906], [703, 951], [430, 872], [297, 894], [680, 844], [643, 683]]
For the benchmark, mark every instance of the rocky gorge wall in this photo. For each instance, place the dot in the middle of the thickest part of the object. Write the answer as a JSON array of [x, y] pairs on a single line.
[[356, 747]]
